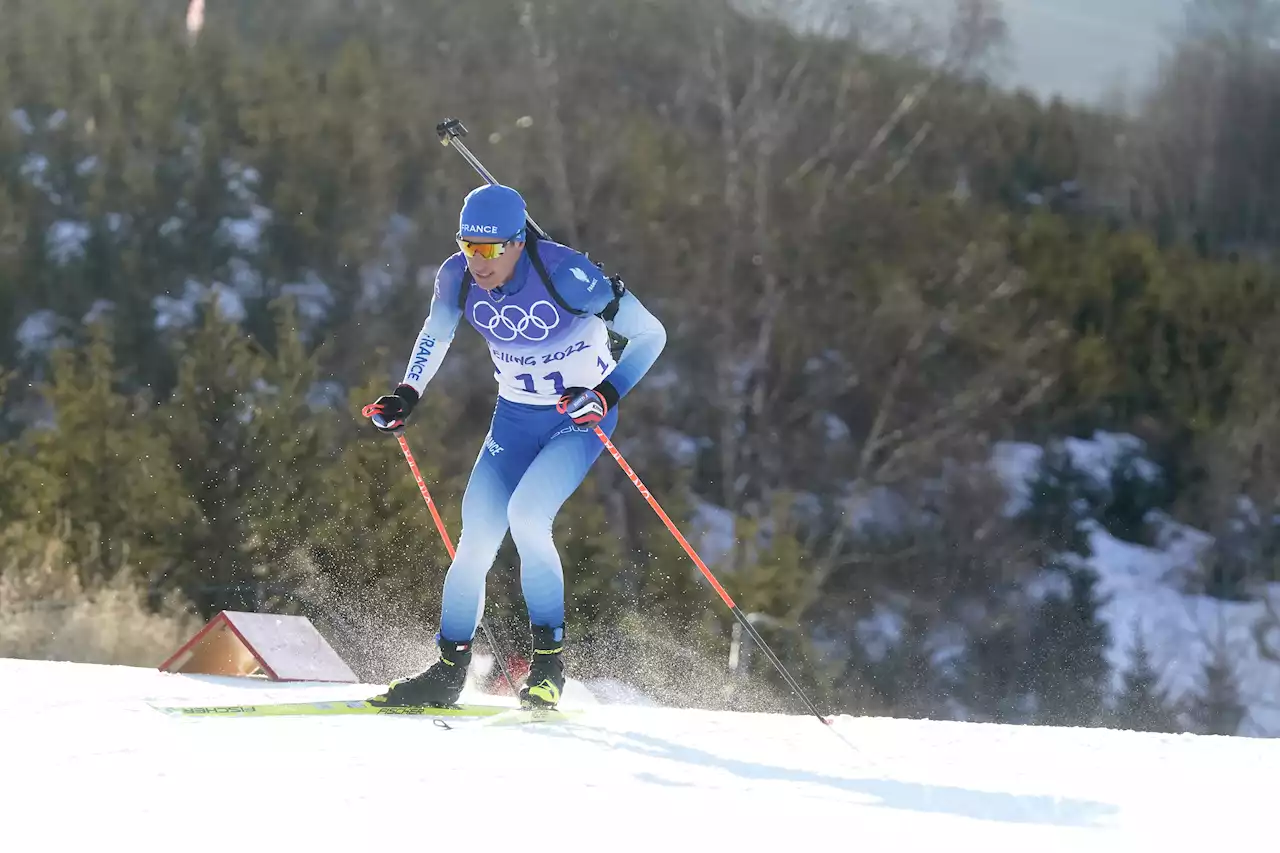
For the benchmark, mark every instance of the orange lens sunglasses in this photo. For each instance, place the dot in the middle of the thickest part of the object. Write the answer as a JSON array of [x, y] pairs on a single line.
[[488, 251]]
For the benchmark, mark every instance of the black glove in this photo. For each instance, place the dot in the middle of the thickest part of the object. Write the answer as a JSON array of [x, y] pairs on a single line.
[[390, 411], [588, 406]]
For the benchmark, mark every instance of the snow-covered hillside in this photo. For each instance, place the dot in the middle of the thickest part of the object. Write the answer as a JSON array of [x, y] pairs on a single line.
[[1145, 586], [85, 763]]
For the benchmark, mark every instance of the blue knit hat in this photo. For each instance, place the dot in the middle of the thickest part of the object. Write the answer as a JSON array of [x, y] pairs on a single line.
[[492, 212]]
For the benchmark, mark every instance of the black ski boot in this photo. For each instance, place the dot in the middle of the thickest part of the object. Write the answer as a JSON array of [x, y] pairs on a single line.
[[441, 683], [545, 682]]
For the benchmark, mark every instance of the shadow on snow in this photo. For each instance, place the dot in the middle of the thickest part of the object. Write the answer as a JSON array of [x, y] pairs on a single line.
[[889, 793]]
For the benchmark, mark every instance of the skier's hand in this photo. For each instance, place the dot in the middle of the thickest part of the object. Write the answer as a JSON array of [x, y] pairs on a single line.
[[390, 411], [587, 406]]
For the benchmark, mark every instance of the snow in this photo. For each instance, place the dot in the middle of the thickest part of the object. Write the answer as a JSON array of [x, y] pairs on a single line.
[[170, 226], [99, 310], [66, 240], [880, 632], [35, 168], [241, 180], [870, 509], [22, 120], [1144, 588], [245, 278], [714, 528], [1015, 464], [1147, 591], [662, 377], [326, 394], [611, 691], [180, 311], [1182, 631], [1106, 451], [389, 265], [682, 449], [244, 233], [84, 745], [313, 297], [835, 428], [37, 332]]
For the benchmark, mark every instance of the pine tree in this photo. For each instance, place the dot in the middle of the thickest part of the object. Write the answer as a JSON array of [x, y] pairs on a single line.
[[1142, 706], [105, 468], [990, 683], [1065, 668], [1061, 496], [287, 446], [904, 680], [208, 422], [1217, 709]]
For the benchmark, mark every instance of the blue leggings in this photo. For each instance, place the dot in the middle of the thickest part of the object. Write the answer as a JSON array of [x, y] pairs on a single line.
[[533, 458]]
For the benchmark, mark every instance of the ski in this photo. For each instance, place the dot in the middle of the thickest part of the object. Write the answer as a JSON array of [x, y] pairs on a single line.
[[361, 706]]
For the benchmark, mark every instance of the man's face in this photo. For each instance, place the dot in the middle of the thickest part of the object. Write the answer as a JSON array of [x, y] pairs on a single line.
[[494, 272]]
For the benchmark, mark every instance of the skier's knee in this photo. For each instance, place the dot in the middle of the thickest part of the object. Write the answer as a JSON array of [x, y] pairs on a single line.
[[528, 521]]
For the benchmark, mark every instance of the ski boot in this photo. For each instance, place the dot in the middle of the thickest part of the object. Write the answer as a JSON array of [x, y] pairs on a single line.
[[439, 685], [545, 682]]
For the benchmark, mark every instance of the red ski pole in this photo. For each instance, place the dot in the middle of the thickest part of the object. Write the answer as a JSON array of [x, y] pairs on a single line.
[[702, 567], [444, 534], [426, 495]]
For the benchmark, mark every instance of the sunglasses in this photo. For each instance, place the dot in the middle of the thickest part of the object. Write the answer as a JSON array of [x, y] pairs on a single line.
[[488, 251]]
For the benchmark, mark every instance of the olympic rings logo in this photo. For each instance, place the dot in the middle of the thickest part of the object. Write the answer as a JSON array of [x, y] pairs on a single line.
[[512, 321]]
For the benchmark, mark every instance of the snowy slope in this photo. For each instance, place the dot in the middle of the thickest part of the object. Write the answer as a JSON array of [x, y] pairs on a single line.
[[84, 762], [1142, 586]]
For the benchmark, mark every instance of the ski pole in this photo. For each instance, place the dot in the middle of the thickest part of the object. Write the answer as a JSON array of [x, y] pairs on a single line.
[[451, 131], [444, 534], [702, 567]]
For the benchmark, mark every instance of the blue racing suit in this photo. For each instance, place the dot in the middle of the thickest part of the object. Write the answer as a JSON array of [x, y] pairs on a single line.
[[542, 340]]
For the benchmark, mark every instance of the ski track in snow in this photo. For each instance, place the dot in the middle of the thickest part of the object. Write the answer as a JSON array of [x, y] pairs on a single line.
[[85, 761]]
